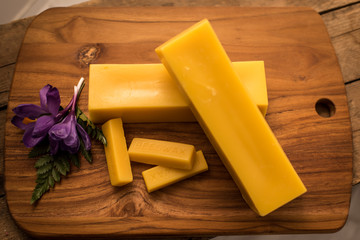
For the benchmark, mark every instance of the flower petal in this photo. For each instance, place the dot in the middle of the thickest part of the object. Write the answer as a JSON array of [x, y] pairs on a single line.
[[31, 111], [28, 139], [84, 136], [53, 101], [18, 122], [43, 125], [72, 148], [43, 94], [72, 141], [59, 131]]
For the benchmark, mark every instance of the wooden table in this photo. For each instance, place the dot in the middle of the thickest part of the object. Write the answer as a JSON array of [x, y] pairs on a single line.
[[340, 17]]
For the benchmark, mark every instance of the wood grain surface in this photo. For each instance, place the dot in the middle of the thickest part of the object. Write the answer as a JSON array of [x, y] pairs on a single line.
[[301, 68]]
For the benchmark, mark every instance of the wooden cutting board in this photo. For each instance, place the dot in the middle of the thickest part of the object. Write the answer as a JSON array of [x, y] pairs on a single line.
[[301, 68]]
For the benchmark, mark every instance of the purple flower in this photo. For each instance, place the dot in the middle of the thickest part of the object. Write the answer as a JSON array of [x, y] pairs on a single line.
[[65, 134], [62, 128], [37, 120]]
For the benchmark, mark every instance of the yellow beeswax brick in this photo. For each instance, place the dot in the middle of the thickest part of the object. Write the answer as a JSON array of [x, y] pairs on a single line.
[[252, 75], [234, 125], [160, 176], [117, 157], [164, 153], [147, 93]]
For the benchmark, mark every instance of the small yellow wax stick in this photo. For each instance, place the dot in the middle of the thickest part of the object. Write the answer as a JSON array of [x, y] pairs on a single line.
[[164, 153], [160, 177], [231, 120], [147, 93], [117, 157]]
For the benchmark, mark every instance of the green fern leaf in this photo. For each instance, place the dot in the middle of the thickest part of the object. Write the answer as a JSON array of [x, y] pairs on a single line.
[[42, 176], [41, 180], [51, 180], [80, 115], [88, 130], [55, 174], [100, 137], [74, 159], [87, 154], [93, 131], [44, 169], [60, 166], [39, 190], [66, 163], [43, 160]]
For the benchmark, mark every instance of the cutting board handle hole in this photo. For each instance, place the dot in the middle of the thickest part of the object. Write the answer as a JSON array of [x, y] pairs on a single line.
[[325, 108]]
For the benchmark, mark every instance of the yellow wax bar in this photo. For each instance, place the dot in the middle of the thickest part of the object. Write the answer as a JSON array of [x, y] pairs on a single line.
[[160, 176], [252, 75], [164, 153], [231, 120], [117, 157], [147, 93]]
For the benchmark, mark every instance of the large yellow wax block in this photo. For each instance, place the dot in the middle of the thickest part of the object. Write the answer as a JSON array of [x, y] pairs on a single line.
[[160, 176], [164, 153], [147, 93], [117, 157], [231, 120]]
